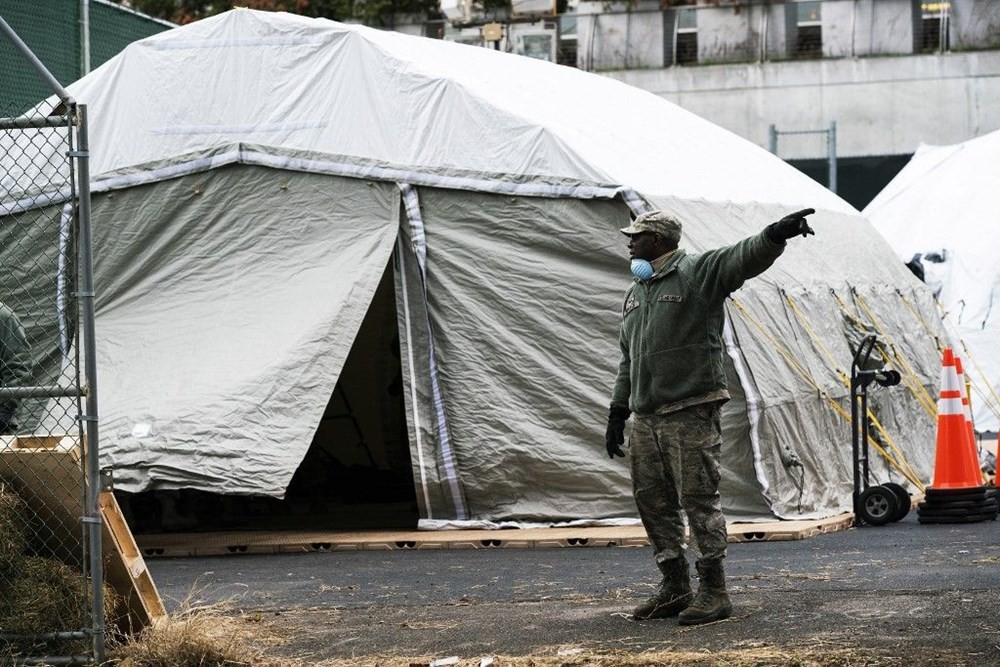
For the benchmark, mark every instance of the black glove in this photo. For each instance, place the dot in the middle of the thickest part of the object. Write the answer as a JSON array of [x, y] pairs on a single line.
[[790, 226], [615, 437]]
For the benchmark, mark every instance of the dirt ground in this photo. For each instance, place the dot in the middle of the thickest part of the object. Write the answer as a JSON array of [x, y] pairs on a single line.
[[903, 594], [781, 627]]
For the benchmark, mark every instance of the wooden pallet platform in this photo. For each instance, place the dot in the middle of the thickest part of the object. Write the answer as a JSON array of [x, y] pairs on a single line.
[[270, 542]]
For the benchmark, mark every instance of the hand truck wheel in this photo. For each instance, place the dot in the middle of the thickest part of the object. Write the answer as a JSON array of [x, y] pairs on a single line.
[[903, 496], [877, 505]]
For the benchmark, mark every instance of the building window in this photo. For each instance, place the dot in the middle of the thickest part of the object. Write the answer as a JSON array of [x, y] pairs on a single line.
[[566, 55], [687, 37], [934, 27], [809, 30]]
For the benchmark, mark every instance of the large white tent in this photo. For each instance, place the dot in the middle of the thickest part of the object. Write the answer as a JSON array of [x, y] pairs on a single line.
[[290, 213], [941, 207]]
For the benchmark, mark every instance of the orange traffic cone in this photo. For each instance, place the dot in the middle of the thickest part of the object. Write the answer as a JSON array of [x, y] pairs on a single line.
[[965, 386], [996, 455], [955, 463]]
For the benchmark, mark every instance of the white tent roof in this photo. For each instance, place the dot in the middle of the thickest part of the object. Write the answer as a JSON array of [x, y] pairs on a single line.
[[944, 202], [286, 81]]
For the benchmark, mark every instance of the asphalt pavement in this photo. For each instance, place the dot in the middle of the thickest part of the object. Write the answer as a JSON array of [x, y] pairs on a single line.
[[909, 593]]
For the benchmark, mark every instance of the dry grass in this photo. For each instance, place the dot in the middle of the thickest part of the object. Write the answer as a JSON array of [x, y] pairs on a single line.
[[13, 529], [44, 596], [213, 636], [201, 640], [220, 636]]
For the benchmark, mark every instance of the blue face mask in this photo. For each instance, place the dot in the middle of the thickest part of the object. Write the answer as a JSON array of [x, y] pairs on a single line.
[[642, 269]]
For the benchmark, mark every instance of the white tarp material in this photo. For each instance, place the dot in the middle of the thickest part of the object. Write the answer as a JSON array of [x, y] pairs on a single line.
[[253, 173], [942, 207]]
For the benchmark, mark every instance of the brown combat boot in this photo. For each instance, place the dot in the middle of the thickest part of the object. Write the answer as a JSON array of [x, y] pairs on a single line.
[[672, 595], [712, 602]]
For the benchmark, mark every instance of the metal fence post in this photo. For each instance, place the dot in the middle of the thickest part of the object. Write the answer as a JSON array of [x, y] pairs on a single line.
[[84, 37], [831, 143], [86, 298]]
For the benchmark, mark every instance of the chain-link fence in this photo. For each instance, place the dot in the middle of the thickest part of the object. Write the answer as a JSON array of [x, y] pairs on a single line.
[[51, 570], [71, 37], [807, 145]]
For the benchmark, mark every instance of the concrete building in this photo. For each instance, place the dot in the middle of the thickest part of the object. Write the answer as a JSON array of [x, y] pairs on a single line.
[[885, 75]]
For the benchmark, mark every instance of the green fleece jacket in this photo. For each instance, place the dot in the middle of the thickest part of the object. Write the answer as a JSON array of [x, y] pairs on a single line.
[[15, 362], [671, 331]]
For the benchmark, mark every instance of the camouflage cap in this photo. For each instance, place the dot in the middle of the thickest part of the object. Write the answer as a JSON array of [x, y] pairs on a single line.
[[661, 222]]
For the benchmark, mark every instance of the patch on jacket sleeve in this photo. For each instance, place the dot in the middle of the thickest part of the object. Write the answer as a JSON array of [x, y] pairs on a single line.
[[671, 298], [630, 304]]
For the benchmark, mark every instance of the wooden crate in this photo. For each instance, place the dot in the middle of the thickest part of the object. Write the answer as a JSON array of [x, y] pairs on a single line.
[[47, 472]]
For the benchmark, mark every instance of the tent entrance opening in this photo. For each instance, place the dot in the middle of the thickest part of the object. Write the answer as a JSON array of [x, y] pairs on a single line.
[[356, 473], [357, 470]]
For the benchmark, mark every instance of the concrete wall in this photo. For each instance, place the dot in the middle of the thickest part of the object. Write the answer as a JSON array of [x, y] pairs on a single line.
[[727, 36], [867, 28], [609, 37], [891, 28], [838, 21], [777, 25], [975, 24], [882, 106]]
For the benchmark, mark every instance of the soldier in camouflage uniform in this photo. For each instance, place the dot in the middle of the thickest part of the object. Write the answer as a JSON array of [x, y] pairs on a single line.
[[671, 378], [15, 365]]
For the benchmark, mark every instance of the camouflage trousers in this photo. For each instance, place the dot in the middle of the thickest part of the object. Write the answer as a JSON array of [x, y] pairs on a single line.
[[675, 469]]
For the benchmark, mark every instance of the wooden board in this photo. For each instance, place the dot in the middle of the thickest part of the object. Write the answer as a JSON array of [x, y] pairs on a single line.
[[125, 569], [261, 542], [788, 530], [48, 474]]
